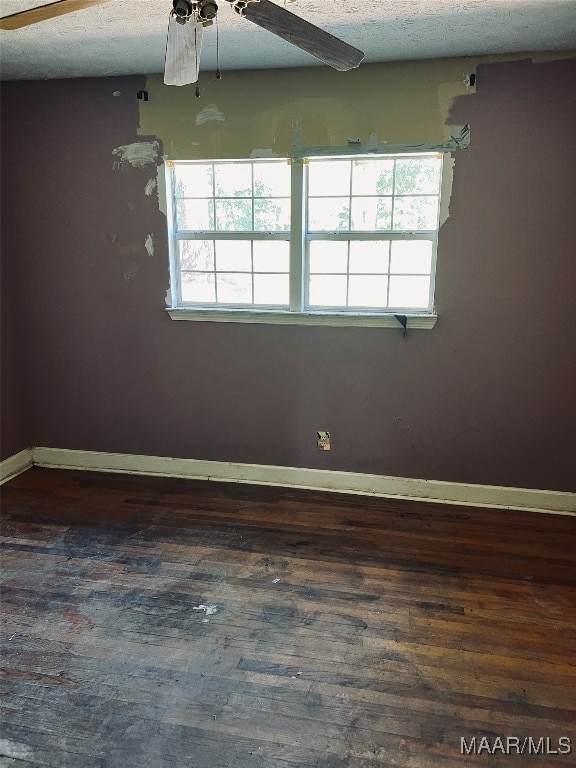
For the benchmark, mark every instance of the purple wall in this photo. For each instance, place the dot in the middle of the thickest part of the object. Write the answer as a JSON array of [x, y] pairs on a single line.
[[485, 397], [14, 421]]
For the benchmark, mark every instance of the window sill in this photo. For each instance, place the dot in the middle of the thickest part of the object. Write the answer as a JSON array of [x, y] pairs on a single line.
[[336, 319]]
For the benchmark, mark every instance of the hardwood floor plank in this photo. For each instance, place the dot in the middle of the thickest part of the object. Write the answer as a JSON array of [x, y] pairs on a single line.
[[159, 622]]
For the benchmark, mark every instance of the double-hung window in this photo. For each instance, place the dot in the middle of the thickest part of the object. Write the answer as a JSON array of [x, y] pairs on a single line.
[[294, 241], [231, 234]]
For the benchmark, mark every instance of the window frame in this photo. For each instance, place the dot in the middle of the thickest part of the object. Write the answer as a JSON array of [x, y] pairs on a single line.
[[175, 235], [298, 311]]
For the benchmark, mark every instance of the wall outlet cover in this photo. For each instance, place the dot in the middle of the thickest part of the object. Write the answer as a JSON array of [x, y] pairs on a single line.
[[323, 440]]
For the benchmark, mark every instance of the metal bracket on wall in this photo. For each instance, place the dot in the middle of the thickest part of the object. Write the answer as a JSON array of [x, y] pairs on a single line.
[[403, 320]]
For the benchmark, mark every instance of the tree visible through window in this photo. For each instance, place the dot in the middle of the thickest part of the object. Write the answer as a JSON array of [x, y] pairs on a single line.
[[364, 240], [372, 229]]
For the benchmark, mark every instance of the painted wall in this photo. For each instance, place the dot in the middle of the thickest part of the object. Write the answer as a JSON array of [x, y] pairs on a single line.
[[14, 422], [485, 397]]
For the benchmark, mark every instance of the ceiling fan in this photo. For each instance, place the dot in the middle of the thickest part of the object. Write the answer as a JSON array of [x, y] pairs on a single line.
[[187, 20]]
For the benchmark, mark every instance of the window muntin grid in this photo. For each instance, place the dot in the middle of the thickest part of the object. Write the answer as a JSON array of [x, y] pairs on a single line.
[[372, 252], [232, 232], [232, 196], [372, 275], [234, 272], [226, 253]]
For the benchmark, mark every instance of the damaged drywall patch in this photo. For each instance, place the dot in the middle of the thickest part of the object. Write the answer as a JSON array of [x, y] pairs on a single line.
[[151, 185], [138, 154], [149, 244], [208, 114], [446, 193], [161, 187]]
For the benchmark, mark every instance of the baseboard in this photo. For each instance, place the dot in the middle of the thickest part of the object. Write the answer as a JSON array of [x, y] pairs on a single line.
[[315, 479], [16, 464]]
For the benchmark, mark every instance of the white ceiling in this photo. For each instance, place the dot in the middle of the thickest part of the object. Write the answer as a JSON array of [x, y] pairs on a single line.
[[128, 36]]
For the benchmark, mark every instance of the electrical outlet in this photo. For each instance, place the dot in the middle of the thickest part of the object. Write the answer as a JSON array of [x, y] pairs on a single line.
[[323, 440]]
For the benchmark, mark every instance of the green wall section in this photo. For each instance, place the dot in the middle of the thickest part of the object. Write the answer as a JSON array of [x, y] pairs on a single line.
[[401, 102]]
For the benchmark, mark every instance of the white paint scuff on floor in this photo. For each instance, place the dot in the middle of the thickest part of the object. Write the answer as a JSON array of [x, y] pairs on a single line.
[[209, 610]]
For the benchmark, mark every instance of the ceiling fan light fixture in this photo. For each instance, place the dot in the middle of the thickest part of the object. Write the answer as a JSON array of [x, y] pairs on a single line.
[[207, 10], [182, 9]]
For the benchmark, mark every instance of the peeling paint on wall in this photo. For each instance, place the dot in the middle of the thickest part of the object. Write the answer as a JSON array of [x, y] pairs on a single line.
[[149, 244], [161, 187], [209, 113], [150, 187], [138, 154], [447, 180]]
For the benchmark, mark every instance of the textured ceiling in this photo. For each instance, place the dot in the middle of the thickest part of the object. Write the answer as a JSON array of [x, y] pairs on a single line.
[[128, 36]]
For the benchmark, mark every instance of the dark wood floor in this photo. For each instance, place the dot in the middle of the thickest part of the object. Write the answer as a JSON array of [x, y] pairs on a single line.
[[155, 623]]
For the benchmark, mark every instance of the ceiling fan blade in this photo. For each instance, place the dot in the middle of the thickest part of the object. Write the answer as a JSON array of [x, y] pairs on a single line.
[[45, 12], [183, 47], [324, 46]]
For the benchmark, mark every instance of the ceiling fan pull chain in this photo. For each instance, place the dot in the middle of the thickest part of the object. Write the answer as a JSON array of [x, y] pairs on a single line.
[[196, 54], [218, 72]]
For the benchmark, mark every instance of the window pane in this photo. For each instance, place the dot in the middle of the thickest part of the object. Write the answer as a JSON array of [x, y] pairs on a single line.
[[411, 256], [409, 292], [233, 215], [233, 179], [196, 255], [233, 255], [327, 290], [417, 176], [193, 180], [372, 177], [328, 257], [271, 289], [371, 213], [198, 288], [369, 256], [194, 215], [271, 256], [415, 213], [367, 290], [234, 288], [328, 214], [272, 215], [329, 177], [271, 179]]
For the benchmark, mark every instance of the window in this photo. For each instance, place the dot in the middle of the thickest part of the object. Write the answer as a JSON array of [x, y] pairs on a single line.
[[232, 234], [347, 236]]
